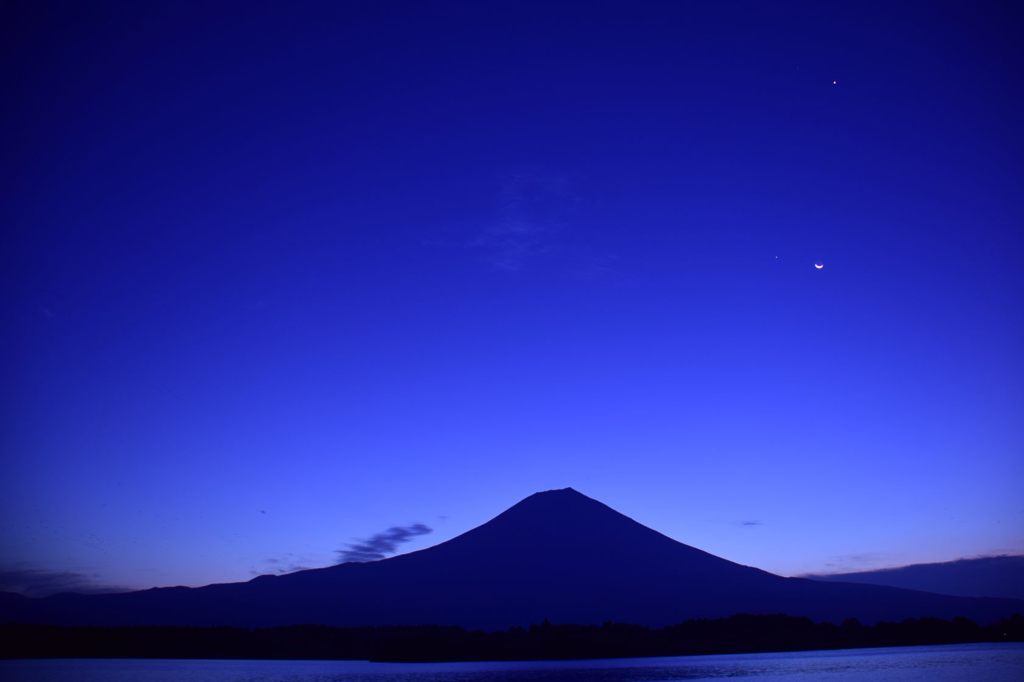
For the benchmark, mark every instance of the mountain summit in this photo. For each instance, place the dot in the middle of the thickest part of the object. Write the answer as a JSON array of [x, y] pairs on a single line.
[[556, 554]]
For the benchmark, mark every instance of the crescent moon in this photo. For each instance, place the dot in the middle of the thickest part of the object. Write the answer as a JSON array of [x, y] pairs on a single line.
[[819, 266]]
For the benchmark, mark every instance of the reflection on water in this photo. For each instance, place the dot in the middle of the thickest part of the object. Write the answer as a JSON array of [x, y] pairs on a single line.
[[995, 662]]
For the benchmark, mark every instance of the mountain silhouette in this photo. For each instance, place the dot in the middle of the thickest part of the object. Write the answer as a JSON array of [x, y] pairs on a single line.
[[558, 555], [993, 576]]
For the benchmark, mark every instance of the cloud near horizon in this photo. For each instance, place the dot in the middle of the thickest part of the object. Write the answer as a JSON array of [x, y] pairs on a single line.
[[382, 544], [893, 568], [38, 582], [288, 563]]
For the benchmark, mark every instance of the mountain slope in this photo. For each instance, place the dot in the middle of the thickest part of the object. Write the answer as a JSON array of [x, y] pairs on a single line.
[[994, 576], [557, 555]]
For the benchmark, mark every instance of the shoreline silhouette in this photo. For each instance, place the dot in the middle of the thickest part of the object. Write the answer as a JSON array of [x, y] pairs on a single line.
[[545, 641]]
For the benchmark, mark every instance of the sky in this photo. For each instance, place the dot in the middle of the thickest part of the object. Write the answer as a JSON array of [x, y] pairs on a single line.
[[287, 284]]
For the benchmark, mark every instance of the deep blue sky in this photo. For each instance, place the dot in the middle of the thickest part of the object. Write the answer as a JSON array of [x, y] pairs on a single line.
[[279, 278]]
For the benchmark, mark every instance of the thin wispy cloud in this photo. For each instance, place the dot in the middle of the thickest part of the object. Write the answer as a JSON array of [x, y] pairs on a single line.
[[751, 523], [40, 582], [533, 211], [511, 245], [382, 544]]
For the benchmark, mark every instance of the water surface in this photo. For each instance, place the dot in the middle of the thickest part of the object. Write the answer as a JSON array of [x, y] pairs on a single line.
[[982, 662]]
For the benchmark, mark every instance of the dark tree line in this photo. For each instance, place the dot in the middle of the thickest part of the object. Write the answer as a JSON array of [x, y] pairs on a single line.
[[736, 634]]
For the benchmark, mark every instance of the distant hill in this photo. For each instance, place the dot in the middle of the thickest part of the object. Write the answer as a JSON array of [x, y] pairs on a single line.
[[556, 555], [995, 576]]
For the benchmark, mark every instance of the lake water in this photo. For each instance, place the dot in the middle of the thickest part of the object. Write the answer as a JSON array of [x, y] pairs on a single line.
[[980, 662]]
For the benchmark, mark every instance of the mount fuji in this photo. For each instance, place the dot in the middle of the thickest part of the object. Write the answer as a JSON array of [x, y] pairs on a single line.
[[557, 554]]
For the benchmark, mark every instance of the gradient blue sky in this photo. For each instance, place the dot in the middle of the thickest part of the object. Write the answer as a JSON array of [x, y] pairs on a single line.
[[281, 277]]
